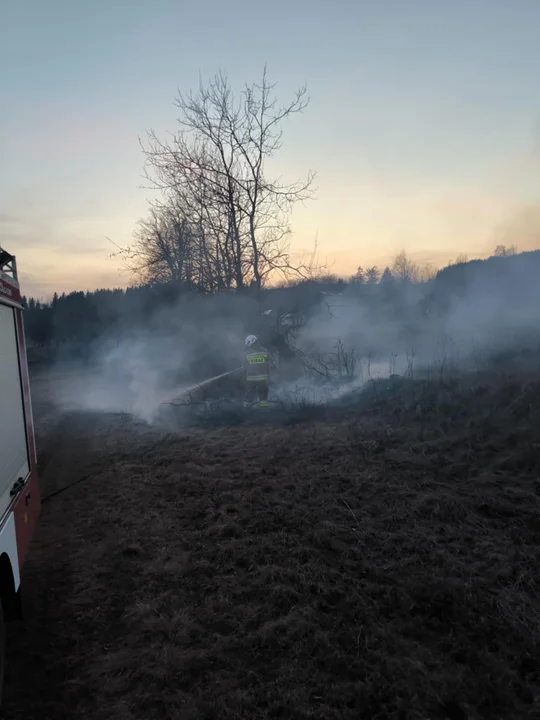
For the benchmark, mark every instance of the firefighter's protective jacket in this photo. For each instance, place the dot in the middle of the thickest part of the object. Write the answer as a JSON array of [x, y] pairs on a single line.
[[257, 364]]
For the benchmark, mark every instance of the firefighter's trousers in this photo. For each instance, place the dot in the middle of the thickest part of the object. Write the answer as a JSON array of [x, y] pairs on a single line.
[[256, 392]]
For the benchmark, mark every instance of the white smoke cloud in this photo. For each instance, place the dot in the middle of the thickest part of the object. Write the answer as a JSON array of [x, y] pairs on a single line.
[[347, 341]]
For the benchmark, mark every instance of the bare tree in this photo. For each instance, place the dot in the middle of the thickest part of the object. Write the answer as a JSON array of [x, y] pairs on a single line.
[[404, 270], [505, 250], [426, 272], [407, 272], [166, 250], [214, 170], [460, 259]]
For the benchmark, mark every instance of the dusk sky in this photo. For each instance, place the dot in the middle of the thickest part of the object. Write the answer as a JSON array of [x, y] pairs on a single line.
[[423, 125]]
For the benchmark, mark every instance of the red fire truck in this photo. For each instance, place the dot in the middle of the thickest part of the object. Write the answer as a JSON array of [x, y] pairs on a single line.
[[19, 488]]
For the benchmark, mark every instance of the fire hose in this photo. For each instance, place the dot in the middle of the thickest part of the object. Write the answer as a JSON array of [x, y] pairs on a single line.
[[204, 383]]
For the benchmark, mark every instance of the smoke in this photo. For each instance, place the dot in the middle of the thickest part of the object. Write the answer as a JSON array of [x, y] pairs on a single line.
[[146, 362], [496, 304], [354, 335], [472, 310]]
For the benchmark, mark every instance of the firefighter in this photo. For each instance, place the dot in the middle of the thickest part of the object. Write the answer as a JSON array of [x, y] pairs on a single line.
[[257, 363]]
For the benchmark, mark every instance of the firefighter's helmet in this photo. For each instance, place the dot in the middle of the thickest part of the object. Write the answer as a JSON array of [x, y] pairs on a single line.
[[250, 340]]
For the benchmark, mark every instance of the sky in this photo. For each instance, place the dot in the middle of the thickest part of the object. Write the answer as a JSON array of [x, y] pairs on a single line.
[[423, 124]]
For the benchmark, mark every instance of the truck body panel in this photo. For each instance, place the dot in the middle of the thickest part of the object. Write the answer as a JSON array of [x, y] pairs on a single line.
[[19, 486], [14, 460]]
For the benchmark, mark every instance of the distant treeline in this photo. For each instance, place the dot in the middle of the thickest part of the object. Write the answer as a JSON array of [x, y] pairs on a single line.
[[402, 291]]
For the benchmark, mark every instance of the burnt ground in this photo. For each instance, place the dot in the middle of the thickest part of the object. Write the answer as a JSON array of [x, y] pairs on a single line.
[[380, 562]]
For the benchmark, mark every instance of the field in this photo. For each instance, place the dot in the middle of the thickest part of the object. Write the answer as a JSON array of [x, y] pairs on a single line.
[[380, 562]]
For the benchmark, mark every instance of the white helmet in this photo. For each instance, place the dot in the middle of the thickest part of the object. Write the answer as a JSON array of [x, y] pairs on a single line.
[[250, 340]]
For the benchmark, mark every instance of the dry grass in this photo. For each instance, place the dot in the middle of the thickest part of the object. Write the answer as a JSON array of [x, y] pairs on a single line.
[[375, 565]]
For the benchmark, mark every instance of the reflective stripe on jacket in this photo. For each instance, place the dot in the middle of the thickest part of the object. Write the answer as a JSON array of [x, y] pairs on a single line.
[[257, 365]]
